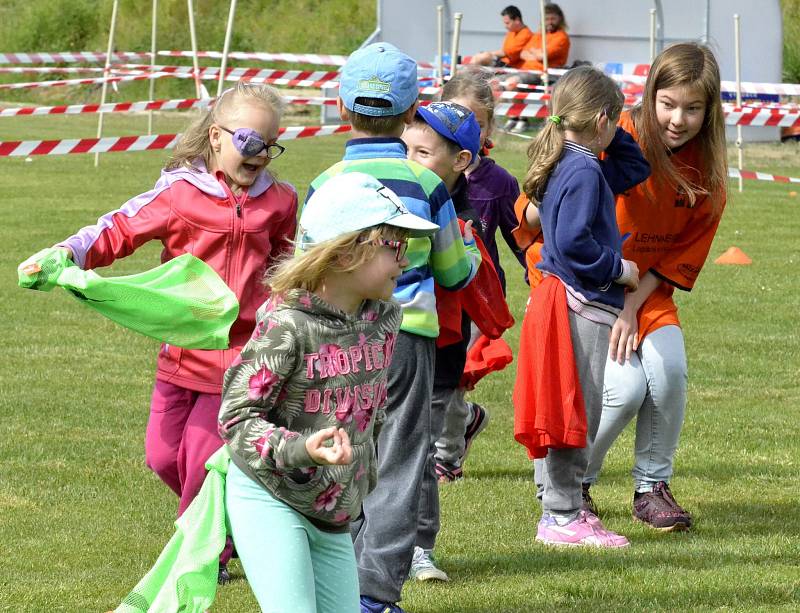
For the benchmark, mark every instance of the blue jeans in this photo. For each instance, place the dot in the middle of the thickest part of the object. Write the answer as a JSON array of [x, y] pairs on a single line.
[[652, 388], [291, 565]]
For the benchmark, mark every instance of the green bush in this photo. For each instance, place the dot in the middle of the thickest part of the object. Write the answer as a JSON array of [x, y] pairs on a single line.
[[791, 40]]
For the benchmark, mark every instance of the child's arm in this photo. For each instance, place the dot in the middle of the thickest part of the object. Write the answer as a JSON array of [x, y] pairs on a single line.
[[623, 164], [454, 260], [119, 233], [596, 264], [252, 389], [624, 338]]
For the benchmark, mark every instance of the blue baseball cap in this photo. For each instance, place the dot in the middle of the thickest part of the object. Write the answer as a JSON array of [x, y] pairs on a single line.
[[379, 70], [355, 201], [454, 122]]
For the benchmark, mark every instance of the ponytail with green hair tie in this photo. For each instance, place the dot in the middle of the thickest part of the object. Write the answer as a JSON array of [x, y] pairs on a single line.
[[556, 119]]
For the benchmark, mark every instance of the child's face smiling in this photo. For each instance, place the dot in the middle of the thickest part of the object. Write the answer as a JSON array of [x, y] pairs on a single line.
[[376, 279], [425, 147], [680, 112], [241, 172]]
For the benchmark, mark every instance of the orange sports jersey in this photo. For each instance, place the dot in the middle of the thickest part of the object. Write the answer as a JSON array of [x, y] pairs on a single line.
[[557, 50], [530, 241], [668, 237], [513, 44]]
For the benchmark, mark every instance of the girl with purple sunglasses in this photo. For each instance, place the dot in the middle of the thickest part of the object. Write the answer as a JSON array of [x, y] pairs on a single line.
[[216, 200]]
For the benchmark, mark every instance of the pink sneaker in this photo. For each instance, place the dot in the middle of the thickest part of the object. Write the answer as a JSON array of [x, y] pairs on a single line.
[[586, 530]]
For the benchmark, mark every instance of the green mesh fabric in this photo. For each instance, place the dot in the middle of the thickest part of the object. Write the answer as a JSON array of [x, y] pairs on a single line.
[[183, 302], [184, 578]]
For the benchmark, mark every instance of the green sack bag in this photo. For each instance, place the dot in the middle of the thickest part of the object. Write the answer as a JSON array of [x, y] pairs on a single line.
[[183, 302]]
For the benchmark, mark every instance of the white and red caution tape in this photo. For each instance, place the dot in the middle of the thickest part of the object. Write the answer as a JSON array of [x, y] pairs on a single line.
[[111, 107], [304, 58], [153, 142], [70, 57], [49, 69], [735, 173], [91, 81]]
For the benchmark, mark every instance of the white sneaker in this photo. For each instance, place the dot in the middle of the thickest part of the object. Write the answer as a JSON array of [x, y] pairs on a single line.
[[520, 127], [509, 124], [423, 567]]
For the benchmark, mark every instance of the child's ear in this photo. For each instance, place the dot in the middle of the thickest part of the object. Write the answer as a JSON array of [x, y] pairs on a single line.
[[408, 116], [463, 160], [602, 123], [214, 136], [344, 114]]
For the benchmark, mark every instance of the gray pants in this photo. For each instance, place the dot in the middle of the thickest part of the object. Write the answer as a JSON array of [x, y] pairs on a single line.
[[450, 445], [385, 535], [560, 474], [428, 518]]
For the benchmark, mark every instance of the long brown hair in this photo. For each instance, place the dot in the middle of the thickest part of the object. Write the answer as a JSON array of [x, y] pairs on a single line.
[[195, 143], [686, 65], [580, 98]]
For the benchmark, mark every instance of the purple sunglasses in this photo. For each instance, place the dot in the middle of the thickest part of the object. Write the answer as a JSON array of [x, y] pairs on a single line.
[[249, 143]]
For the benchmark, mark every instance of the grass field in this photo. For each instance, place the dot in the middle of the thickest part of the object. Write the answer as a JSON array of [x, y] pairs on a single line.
[[83, 518]]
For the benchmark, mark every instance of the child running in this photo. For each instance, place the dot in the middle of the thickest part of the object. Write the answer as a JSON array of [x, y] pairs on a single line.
[[378, 94], [302, 407], [672, 219], [564, 338], [491, 191], [216, 200]]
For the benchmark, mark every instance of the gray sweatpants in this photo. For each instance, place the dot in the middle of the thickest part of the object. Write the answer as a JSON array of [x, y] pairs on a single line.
[[560, 474], [385, 535]]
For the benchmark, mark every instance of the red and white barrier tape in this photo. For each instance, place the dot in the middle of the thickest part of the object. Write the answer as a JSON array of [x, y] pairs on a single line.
[[111, 107], [735, 173], [305, 58], [48, 69], [92, 81], [112, 144], [70, 57]]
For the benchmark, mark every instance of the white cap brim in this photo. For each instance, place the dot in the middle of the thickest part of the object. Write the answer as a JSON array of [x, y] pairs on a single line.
[[417, 226]]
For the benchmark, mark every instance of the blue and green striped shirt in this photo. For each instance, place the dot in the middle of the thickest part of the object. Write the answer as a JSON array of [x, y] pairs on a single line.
[[443, 257]]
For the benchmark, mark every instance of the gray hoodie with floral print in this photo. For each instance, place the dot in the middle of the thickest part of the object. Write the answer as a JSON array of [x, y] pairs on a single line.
[[309, 366]]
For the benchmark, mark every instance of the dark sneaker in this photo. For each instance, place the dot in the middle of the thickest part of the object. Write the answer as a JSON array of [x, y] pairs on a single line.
[[223, 576], [588, 503], [370, 605], [658, 509], [480, 419], [447, 473]]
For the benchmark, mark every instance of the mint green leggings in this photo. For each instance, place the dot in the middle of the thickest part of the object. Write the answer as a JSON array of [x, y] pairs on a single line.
[[291, 565]]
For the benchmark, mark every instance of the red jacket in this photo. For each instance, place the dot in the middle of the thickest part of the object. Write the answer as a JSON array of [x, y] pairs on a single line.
[[548, 401], [191, 211]]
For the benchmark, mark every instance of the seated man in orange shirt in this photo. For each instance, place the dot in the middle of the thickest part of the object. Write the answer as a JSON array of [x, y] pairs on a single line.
[[557, 41], [517, 38]]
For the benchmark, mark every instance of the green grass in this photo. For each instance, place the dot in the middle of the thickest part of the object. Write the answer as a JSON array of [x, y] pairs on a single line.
[[83, 518]]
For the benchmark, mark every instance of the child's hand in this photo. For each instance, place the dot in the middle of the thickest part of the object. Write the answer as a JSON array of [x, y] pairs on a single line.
[[630, 275], [338, 452], [42, 269], [469, 237]]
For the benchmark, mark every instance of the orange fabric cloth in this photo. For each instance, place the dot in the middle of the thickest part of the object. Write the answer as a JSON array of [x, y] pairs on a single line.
[[530, 241], [485, 356], [549, 410], [557, 50], [513, 44], [668, 237]]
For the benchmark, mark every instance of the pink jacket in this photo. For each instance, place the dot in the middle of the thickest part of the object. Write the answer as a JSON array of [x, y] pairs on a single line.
[[194, 212]]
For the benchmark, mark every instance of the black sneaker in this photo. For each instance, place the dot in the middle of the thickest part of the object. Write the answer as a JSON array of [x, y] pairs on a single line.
[[658, 509], [223, 576]]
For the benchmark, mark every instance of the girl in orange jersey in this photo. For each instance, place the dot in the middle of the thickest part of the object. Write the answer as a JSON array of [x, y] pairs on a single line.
[[672, 219]]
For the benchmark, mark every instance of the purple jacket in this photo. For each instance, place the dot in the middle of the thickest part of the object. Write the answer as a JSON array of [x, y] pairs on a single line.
[[492, 191]]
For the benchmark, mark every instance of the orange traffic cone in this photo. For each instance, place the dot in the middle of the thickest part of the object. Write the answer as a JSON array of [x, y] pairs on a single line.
[[733, 255]]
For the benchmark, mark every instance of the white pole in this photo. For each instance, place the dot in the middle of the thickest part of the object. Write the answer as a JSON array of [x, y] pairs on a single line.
[[652, 35], [545, 76], [440, 41], [228, 31], [106, 71], [195, 63], [737, 45], [152, 64], [454, 48]]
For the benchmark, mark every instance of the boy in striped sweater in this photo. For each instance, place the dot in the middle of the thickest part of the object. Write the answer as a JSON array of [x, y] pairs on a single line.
[[378, 94]]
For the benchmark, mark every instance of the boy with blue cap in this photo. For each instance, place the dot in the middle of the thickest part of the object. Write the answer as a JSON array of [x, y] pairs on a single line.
[[378, 93]]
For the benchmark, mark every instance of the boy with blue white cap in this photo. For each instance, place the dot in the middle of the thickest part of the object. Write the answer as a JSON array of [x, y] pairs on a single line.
[[378, 93]]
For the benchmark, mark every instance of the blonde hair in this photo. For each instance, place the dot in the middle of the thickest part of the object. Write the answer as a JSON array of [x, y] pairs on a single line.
[[686, 65], [195, 143], [580, 98], [474, 83], [345, 253]]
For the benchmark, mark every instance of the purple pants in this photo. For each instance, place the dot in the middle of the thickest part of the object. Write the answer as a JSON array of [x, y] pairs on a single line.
[[181, 436]]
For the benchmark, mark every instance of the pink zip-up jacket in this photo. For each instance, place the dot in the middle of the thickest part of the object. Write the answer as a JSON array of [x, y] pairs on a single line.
[[192, 211]]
